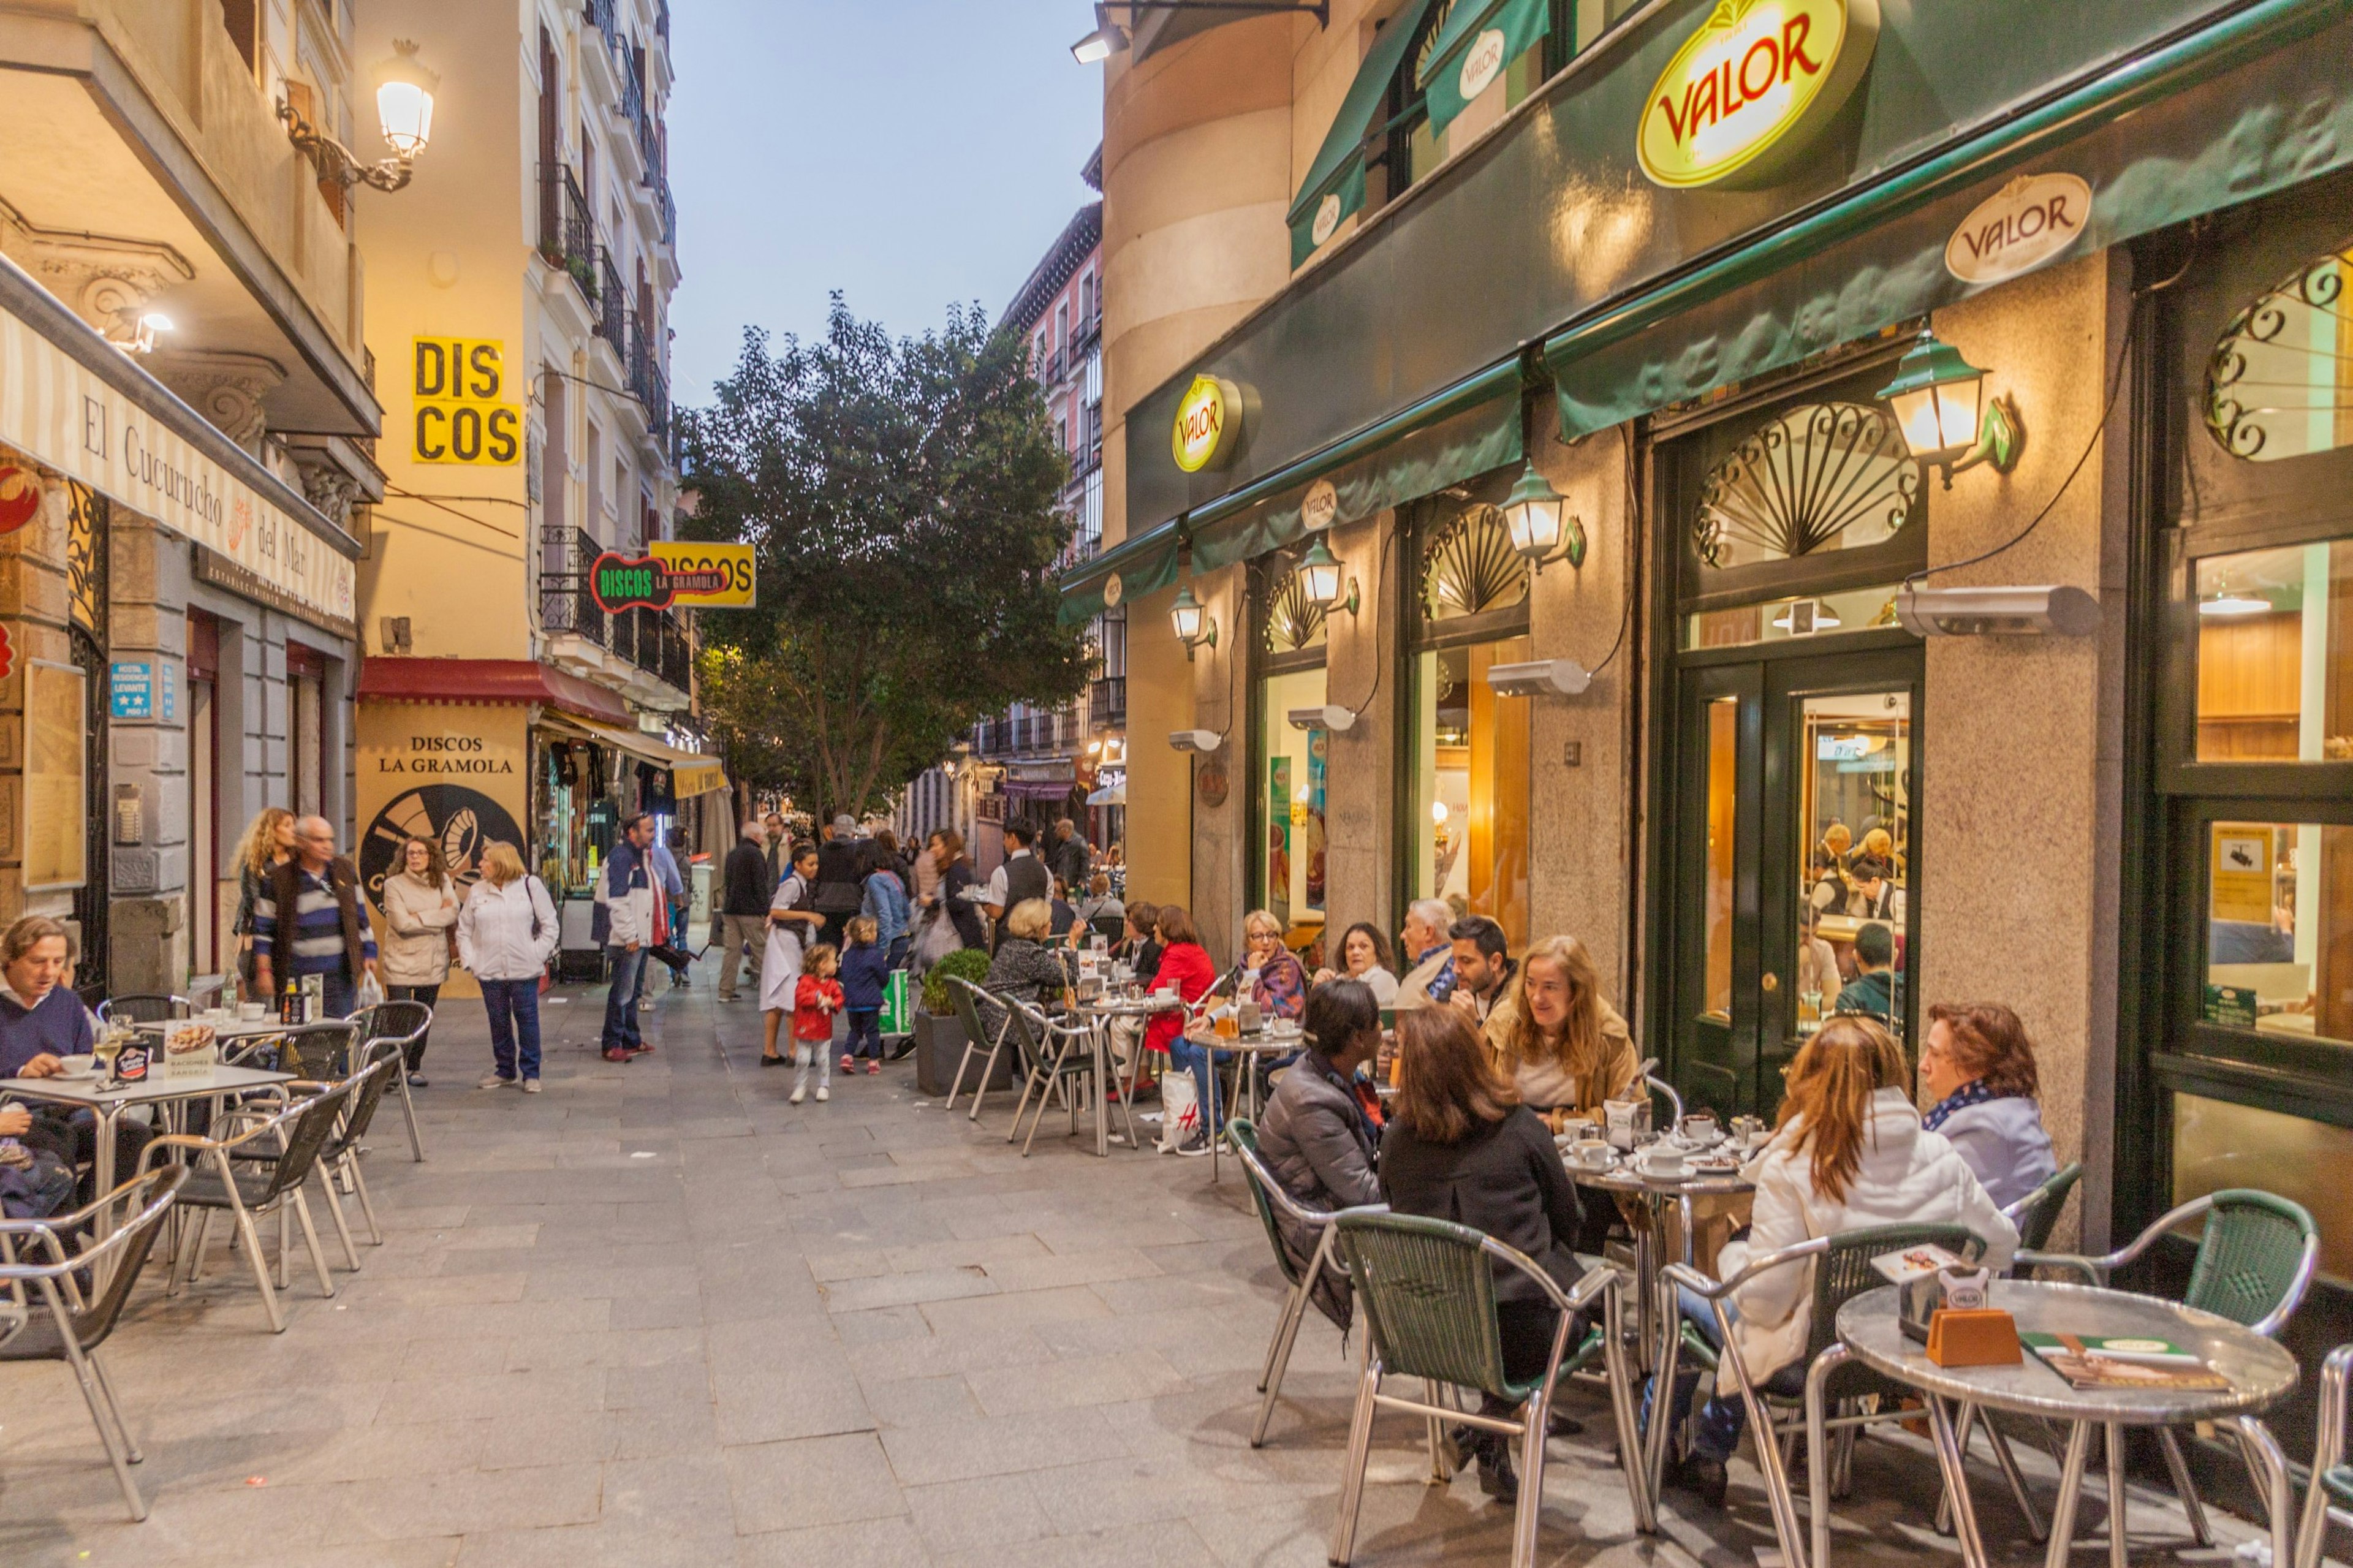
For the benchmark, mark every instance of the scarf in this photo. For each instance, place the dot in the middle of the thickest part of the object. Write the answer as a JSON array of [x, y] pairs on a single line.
[[1977, 1091]]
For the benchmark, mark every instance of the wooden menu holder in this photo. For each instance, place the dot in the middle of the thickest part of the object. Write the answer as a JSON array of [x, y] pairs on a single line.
[[1984, 1336]]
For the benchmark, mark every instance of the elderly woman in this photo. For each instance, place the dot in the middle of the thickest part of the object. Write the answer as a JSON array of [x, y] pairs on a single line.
[[1979, 1067], [1563, 1045], [1319, 1136], [1272, 975], [1364, 955], [1025, 968]]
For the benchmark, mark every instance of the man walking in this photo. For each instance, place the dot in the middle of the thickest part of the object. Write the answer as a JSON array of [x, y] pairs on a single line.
[[1022, 877], [1070, 859], [627, 891], [840, 871], [746, 888], [310, 920]]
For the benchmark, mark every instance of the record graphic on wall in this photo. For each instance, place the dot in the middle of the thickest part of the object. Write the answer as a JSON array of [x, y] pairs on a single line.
[[464, 820]]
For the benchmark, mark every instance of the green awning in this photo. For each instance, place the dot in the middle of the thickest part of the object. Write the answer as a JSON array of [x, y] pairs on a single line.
[[1144, 564], [1464, 431], [1478, 41], [1335, 186]]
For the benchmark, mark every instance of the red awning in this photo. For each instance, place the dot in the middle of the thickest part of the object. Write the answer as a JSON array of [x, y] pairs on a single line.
[[487, 680]]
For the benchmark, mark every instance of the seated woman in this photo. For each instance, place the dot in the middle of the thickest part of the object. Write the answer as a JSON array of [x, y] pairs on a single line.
[[1460, 1147], [1847, 1151], [1979, 1067], [1184, 968], [1364, 955], [1271, 973], [1565, 1049], [1318, 1137], [42, 1022], [1024, 968]]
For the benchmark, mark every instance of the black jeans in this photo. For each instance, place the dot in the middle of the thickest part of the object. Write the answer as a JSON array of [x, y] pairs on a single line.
[[1527, 1327], [429, 994]]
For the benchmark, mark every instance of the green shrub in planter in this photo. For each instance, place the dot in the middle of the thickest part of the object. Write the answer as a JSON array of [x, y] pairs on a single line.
[[965, 963]]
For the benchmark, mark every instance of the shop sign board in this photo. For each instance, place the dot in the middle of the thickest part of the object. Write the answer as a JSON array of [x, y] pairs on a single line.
[[708, 577], [2018, 228], [7, 652], [1751, 85], [461, 413], [1319, 506], [130, 689], [20, 497], [1207, 427], [1114, 590]]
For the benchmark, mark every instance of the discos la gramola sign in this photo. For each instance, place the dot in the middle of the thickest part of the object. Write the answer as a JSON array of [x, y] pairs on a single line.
[[1751, 86]]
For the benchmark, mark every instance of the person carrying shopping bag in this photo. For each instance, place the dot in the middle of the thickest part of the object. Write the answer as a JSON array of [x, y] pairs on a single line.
[[507, 931]]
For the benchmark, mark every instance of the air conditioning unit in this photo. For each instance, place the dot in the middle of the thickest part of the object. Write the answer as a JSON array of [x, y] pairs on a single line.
[[1339, 721], [1195, 739], [2044, 610], [1540, 677]]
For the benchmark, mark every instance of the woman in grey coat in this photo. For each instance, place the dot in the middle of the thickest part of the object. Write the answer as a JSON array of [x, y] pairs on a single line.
[[1318, 1137], [1978, 1068]]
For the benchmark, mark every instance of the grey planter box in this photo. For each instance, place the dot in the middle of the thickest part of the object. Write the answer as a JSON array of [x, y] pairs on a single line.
[[939, 1046]]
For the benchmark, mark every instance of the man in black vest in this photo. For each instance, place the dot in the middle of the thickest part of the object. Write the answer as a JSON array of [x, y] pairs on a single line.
[[1020, 879], [841, 877]]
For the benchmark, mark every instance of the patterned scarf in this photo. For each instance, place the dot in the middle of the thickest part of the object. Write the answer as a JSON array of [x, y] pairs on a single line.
[[1977, 1091]]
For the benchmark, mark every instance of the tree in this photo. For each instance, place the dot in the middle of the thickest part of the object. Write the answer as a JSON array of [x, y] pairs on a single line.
[[900, 498]]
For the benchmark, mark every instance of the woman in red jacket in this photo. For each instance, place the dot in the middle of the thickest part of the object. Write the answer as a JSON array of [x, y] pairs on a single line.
[[1184, 965]]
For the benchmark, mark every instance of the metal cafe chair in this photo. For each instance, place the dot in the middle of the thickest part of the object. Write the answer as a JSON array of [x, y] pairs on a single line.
[[965, 996], [1796, 1400], [65, 1323], [405, 1023], [143, 1008], [386, 1064], [1269, 1198], [1428, 1287], [2328, 1499], [265, 1186], [2255, 1260], [1056, 1056]]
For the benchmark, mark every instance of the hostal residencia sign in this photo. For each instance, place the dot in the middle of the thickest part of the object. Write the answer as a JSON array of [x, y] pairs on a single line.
[[1751, 85]]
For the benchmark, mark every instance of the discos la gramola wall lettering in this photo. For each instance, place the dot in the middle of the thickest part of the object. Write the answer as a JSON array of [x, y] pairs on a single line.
[[463, 820]]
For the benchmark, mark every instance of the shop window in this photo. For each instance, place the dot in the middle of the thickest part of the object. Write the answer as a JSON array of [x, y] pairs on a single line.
[[1469, 815], [2276, 654], [2218, 1144], [1471, 569], [1854, 856], [2280, 382], [1776, 620], [1822, 476], [2279, 929], [1291, 800]]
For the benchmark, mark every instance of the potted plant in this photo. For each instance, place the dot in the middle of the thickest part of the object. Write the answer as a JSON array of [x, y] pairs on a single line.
[[939, 1032]]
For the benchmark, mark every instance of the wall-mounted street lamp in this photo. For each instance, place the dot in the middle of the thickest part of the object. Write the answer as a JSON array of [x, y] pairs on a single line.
[[1109, 38], [1193, 626], [1542, 530], [140, 337], [1320, 575], [404, 107], [1941, 405]]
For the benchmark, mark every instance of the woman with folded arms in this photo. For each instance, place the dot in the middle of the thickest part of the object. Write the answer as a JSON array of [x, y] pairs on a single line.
[[1979, 1067], [1848, 1151]]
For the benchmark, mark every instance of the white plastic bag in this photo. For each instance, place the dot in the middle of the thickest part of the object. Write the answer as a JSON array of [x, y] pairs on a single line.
[[1180, 1109], [371, 991]]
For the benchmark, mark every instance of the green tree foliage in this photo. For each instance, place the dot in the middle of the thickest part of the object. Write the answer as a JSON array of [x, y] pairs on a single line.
[[901, 494]]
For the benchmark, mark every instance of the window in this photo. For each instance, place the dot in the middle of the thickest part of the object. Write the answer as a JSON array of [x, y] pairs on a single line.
[[2279, 929], [1292, 763], [2278, 382], [2276, 654]]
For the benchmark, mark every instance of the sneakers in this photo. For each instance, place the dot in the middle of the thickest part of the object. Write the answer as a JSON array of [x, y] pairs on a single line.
[[530, 1085], [417, 1080], [641, 1049], [1195, 1147], [823, 1094], [873, 1068], [494, 1081], [801, 1094], [848, 1063], [617, 1054]]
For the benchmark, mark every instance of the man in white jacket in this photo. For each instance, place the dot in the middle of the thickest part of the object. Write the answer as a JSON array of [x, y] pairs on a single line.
[[625, 889]]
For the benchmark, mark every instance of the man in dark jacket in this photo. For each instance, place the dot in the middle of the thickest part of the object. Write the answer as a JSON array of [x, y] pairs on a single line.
[[841, 877], [311, 920], [746, 888], [1023, 875], [1069, 858]]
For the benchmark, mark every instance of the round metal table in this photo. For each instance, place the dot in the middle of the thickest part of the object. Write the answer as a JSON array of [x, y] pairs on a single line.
[[2259, 1371], [1099, 1012], [1651, 1196]]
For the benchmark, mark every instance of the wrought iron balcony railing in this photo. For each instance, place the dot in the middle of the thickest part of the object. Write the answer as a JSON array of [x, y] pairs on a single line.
[[567, 230]]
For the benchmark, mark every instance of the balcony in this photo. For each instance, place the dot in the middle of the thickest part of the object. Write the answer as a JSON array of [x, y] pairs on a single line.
[[612, 301], [645, 377], [567, 231], [605, 15], [1107, 703], [654, 641]]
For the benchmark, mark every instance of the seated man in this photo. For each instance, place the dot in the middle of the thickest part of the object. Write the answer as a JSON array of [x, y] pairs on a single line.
[[42, 1022], [1875, 990]]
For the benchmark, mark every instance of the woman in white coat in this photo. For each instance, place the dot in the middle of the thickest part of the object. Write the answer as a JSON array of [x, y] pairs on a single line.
[[506, 934], [792, 921], [1847, 1152], [420, 916]]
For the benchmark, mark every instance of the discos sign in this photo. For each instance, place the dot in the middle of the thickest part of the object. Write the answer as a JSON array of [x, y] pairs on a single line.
[[1751, 85], [674, 572], [1209, 424]]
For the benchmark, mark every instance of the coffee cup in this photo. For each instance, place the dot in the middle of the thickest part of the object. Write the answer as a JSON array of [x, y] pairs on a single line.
[[1700, 1131], [1662, 1160], [252, 1012], [78, 1066], [1593, 1153]]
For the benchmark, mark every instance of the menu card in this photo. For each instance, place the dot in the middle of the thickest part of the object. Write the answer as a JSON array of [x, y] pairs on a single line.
[[2094, 1361]]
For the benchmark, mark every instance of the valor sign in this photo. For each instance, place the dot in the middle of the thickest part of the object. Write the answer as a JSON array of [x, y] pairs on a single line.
[[1207, 427], [1746, 80], [2018, 228]]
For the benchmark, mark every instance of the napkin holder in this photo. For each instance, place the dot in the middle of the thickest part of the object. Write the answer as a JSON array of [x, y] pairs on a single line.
[[1983, 1336], [1626, 1123], [1933, 1293]]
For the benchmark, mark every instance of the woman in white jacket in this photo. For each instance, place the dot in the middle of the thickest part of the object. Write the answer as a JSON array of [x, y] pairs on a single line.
[[506, 934], [1847, 1152]]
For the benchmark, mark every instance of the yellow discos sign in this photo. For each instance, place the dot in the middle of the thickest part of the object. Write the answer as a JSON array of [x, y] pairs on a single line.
[[462, 415], [1746, 80], [1208, 417], [706, 576]]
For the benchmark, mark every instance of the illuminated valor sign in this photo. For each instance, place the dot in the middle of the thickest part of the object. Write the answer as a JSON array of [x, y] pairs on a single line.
[[2018, 228], [1208, 428], [673, 573], [1747, 78]]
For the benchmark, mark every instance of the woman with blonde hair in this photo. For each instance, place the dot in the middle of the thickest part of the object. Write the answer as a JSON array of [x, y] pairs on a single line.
[[420, 920], [1271, 973], [268, 844], [506, 934], [1564, 1045], [1848, 1151]]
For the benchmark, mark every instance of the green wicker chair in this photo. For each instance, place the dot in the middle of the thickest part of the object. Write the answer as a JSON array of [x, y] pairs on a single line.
[[1267, 1197], [1055, 1057], [1427, 1290], [1797, 1399], [2255, 1261], [2329, 1497], [2037, 1213]]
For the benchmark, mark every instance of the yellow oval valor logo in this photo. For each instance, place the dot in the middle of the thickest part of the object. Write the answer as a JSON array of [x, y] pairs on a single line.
[[1206, 417], [1748, 77], [1112, 590]]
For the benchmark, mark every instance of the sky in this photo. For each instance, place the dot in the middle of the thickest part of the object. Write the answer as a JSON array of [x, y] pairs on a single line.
[[910, 153]]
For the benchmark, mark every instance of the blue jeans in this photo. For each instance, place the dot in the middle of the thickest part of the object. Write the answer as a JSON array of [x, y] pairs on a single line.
[[897, 954], [1720, 1420], [1183, 1056], [513, 1006], [621, 998], [865, 1029], [338, 994]]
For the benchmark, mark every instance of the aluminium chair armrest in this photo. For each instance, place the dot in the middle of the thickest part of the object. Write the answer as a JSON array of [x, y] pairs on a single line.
[[2094, 1269], [1595, 1282], [1700, 1285], [73, 1262]]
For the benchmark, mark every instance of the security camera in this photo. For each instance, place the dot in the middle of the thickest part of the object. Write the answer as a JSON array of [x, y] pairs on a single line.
[[1997, 612], [1195, 739], [1540, 677], [1331, 716]]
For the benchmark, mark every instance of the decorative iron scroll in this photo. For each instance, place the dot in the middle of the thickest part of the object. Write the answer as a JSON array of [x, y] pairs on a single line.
[[1804, 482], [86, 555], [1293, 621], [2280, 381], [1469, 566]]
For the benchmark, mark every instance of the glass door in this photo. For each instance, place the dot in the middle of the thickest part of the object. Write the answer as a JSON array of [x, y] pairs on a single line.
[[1792, 863]]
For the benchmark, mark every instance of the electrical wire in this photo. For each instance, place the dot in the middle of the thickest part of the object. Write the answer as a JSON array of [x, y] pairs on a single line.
[[1633, 530], [1380, 575], [393, 490]]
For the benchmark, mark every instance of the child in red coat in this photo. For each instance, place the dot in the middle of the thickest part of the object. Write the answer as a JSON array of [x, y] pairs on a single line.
[[815, 1000]]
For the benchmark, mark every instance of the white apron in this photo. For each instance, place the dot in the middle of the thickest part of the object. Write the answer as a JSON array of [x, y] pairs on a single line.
[[780, 967]]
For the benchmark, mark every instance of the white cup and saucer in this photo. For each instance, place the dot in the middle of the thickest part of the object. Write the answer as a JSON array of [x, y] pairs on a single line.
[[77, 1066], [1663, 1162], [1592, 1153]]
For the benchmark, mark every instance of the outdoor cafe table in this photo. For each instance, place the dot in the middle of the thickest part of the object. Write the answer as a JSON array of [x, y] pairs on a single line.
[[2258, 1370], [1098, 1012], [1645, 1201], [167, 1094]]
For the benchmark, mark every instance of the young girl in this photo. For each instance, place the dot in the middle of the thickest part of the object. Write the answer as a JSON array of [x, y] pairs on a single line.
[[865, 969], [815, 1000]]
